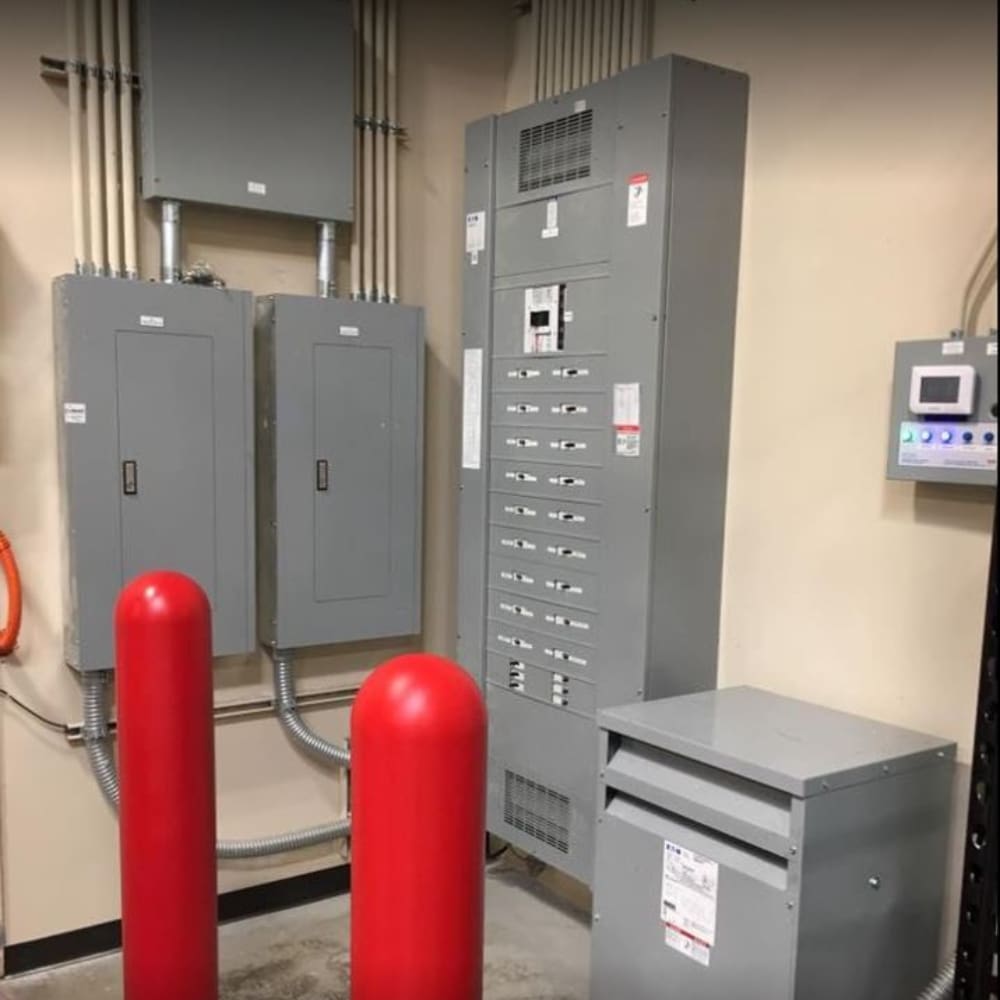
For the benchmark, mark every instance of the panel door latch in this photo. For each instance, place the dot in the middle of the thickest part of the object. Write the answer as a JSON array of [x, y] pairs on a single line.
[[130, 478], [322, 475]]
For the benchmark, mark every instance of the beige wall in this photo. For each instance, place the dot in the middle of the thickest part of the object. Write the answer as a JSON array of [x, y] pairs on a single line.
[[58, 837]]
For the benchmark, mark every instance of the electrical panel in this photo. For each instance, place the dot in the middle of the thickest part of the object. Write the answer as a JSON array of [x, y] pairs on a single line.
[[943, 423], [249, 104], [759, 847], [155, 399], [601, 257], [339, 469]]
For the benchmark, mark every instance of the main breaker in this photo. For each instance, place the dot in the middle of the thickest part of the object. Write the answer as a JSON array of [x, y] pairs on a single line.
[[601, 256]]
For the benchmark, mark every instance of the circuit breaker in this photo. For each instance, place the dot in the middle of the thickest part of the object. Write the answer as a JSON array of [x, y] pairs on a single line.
[[602, 239], [156, 447], [943, 422], [339, 469], [760, 847]]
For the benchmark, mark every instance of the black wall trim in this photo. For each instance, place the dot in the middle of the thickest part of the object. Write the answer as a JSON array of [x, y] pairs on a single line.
[[235, 905]]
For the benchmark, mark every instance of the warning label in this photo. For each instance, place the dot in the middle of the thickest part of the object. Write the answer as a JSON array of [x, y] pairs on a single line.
[[638, 200], [625, 416], [689, 901]]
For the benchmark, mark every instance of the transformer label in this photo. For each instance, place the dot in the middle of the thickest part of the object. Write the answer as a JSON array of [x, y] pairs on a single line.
[[75, 413], [625, 417], [472, 408], [475, 235], [551, 229], [638, 200], [156, 322], [689, 901], [953, 347]]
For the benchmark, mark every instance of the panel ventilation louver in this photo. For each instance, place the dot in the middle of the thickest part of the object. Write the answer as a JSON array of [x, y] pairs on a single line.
[[536, 810], [555, 151]]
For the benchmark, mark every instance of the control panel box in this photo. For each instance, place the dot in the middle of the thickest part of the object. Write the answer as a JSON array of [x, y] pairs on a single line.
[[249, 105], [759, 847], [339, 469], [601, 259], [943, 423], [155, 401]]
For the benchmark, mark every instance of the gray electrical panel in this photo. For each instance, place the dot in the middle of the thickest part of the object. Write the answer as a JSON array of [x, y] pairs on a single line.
[[155, 399], [339, 469], [943, 423], [759, 847], [602, 244], [249, 104]]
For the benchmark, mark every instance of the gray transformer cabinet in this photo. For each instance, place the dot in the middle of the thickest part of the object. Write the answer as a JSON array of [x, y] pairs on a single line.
[[758, 847], [339, 469], [155, 411], [602, 246]]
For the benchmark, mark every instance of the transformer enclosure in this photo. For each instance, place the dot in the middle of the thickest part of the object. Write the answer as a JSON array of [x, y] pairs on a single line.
[[759, 847], [600, 274], [155, 411]]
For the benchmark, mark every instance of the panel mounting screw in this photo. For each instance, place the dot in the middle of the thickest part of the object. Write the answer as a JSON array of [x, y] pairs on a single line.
[[874, 882], [790, 904], [793, 849]]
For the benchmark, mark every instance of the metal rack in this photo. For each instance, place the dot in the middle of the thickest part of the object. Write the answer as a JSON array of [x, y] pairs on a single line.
[[976, 975]]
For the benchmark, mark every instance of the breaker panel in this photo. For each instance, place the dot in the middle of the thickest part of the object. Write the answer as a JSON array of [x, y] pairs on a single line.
[[943, 424], [339, 469], [600, 273], [155, 400]]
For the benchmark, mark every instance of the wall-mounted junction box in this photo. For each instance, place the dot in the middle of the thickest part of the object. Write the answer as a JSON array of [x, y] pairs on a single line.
[[249, 104], [759, 847], [602, 245], [943, 422], [155, 399], [339, 469]]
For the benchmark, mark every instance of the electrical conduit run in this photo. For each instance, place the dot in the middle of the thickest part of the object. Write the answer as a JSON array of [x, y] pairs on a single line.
[[95, 733], [942, 986]]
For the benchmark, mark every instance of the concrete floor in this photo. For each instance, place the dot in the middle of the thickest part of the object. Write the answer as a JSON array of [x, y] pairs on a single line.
[[537, 948]]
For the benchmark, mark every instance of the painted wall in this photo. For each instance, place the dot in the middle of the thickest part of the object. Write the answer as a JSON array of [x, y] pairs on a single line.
[[59, 841]]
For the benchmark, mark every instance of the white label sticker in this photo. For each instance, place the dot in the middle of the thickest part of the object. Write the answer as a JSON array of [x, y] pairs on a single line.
[[579, 107], [155, 321], [689, 898], [551, 229], [953, 347], [75, 413], [350, 331], [701, 953], [256, 187], [638, 200], [568, 316], [991, 350], [472, 407], [475, 232], [625, 417]]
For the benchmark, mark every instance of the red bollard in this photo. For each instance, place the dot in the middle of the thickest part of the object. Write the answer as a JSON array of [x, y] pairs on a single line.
[[418, 799], [163, 636]]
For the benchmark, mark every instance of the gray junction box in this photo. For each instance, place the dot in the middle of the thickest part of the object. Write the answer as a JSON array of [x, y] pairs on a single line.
[[249, 105], [155, 401], [757, 847], [600, 273], [339, 469]]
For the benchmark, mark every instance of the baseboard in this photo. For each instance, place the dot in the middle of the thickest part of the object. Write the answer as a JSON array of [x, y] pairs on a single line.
[[236, 905]]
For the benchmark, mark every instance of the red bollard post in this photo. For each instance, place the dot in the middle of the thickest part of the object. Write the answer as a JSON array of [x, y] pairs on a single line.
[[163, 637], [418, 799]]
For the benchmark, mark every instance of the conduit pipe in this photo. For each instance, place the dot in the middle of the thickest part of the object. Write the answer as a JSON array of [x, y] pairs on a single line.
[[127, 123], [291, 721], [95, 721], [94, 180], [326, 260], [942, 986], [368, 152], [537, 37], [110, 136], [73, 69], [357, 224], [170, 241], [380, 132], [392, 111]]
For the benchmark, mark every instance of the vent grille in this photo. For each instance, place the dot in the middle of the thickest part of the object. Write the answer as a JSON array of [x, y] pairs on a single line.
[[538, 811], [556, 151]]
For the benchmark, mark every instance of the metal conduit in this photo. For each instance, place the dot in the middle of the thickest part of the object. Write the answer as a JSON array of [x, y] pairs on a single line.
[[942, 986], [102, 763]]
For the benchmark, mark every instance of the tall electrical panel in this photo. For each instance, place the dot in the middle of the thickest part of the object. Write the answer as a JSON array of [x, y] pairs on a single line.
[[601, 258], [156, 446], [339, 469]]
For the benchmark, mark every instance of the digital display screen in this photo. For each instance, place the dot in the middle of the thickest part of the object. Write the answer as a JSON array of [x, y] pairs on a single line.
[[939, 389]]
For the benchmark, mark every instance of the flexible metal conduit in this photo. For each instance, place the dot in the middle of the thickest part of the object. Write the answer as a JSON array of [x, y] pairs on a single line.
[[95, 721], [942, 986], [288, 714]]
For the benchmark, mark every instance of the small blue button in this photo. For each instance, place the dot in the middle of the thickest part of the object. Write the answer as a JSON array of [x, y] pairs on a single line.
[[946, 437], [967, 437], [988, 437], [926, 436]]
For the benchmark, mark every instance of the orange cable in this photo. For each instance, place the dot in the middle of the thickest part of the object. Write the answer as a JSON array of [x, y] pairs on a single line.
[[8, 634]]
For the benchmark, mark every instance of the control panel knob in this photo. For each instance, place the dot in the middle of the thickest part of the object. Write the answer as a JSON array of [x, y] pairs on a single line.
[[926, 436]]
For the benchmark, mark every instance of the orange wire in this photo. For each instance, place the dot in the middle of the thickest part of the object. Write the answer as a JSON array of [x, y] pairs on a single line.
[[8, 634]]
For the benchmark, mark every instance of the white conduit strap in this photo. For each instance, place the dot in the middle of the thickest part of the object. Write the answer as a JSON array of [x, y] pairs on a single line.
[[291, 721], [95, 735]]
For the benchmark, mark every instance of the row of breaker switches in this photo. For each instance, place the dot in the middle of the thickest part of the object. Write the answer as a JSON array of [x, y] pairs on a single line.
[[560, 683]]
